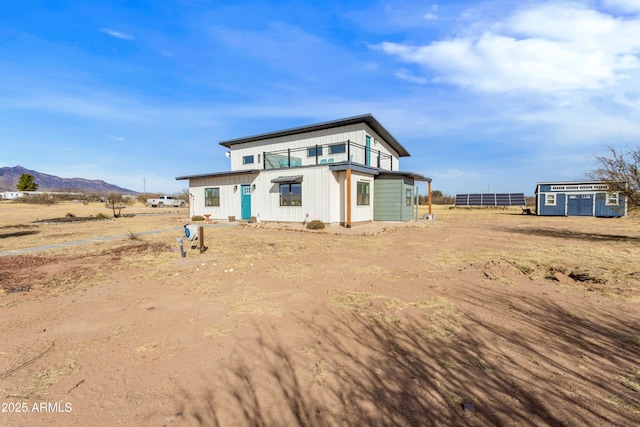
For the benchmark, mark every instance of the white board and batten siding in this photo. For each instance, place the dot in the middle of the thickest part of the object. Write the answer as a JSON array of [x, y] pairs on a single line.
[[229, 195], [356, 133], [320, 200], [323, 196], [361, 213]]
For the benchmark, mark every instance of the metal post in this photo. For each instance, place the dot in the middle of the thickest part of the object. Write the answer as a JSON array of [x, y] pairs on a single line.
[[417, 200], [179, 240], [316, 154], [289, 157], [348, 222]]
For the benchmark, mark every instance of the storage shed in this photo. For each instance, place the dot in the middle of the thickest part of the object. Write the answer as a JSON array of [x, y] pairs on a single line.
[[579, 198]]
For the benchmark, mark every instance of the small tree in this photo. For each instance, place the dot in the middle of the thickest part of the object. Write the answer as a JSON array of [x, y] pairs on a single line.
[[115, 201], [27, 182], [622, 171]]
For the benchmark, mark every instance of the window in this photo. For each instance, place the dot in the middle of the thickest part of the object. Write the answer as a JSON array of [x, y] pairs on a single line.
[[363, 193], [311, 152], [212, 196], [291, 194], [550, 199], [337, 148], [247, 160], [612, 199], [408, 197]]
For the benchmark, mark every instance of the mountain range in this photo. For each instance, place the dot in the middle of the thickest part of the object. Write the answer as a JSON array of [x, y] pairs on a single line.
[[9, 177]]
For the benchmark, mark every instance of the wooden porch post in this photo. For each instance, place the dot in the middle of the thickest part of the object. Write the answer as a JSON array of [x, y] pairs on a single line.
[[429, 196]]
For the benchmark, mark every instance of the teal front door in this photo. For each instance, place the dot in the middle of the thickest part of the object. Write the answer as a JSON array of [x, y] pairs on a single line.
[[246, 201]]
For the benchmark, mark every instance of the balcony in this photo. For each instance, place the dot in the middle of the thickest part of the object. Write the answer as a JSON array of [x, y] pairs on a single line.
[[341, 152]]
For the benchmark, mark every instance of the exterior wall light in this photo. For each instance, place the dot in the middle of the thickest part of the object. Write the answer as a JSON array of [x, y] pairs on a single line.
[[253, 188], [235, 188]]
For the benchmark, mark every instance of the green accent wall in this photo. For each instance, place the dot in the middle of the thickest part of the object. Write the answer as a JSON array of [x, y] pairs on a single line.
[[389, 199]]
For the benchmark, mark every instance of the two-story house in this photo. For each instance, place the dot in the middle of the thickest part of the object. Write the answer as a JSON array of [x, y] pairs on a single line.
[[339, 172]]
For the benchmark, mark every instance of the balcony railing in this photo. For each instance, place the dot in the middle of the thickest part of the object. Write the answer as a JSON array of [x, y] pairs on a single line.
[[341, 152]]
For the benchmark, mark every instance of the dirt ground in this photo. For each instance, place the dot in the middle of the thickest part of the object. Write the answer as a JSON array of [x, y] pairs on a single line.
[[481, 317]]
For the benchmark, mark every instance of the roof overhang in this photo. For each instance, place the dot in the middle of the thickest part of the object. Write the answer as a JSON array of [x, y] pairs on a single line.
[[365, 118], [287, 179], [406, 174], [354, 167], [220, 174]]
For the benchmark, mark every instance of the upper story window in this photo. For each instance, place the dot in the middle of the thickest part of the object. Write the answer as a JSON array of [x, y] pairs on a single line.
[[337, 148], [247, 160], [315, 151]]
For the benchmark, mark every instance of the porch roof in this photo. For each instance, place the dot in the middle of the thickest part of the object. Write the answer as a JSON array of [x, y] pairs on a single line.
[[220, 174]]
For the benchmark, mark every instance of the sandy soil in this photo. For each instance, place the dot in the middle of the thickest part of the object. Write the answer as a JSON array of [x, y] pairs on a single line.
[[481, 317]]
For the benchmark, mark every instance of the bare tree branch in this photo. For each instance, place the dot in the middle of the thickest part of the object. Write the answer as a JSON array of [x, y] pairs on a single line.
[[622, 171]]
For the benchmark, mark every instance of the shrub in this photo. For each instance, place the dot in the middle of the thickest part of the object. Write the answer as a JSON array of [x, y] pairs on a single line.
[[315, 225], [101, 216], [197, 218]]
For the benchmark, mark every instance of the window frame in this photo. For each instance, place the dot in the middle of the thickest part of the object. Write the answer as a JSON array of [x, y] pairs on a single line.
[[550, 199], [408, 196], [290, 198], [245, 159], [612, 196], [311, 151], [341, 148], [210, 201], [363, 198]]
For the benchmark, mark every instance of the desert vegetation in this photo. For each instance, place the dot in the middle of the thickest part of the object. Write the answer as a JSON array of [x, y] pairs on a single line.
[[482, 317]]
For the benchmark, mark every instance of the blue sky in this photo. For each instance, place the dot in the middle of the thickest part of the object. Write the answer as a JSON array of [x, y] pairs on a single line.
[[486, 96]]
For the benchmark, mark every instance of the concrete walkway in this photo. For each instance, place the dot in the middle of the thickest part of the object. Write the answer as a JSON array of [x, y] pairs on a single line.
[[105, 239]]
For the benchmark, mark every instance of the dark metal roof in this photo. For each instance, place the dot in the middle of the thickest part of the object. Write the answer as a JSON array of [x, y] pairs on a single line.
[[413, 175], [376, 171], [365, 118], [343, 166], [287, 179], [219, 174]]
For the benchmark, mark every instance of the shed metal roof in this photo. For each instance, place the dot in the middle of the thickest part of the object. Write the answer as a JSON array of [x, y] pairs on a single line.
[[365, 118]]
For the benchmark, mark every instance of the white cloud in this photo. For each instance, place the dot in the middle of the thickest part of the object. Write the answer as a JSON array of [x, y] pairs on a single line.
[[430, 16], [116, 34], [407, 75], [624, 5], [544, 48]]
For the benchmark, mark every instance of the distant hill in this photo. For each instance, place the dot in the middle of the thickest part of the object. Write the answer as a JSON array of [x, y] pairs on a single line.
[[9, 179]]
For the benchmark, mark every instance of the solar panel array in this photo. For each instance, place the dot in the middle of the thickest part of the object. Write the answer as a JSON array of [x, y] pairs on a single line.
[[491, 199]]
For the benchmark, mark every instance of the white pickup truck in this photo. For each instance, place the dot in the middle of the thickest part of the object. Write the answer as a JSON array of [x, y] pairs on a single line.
[[165, 201]]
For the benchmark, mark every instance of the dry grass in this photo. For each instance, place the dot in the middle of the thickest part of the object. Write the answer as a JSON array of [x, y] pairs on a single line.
[[434, 310]]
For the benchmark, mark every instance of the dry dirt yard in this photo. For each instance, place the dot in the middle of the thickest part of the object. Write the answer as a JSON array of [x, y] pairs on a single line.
[[479, 318]]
